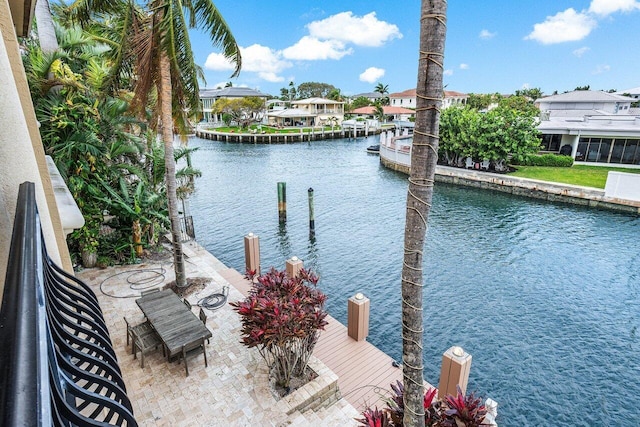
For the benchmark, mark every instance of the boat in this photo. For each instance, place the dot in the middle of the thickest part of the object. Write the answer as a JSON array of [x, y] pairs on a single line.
[[374, 149]]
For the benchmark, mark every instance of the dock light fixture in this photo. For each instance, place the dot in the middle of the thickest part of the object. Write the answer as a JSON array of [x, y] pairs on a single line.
[[359, 296], [457, 351]]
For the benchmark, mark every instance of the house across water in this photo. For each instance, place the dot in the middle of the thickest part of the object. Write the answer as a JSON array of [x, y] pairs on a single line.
[[592, 126]]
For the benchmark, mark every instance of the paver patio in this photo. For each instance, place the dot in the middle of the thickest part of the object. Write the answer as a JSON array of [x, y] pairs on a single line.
[[232, 391]]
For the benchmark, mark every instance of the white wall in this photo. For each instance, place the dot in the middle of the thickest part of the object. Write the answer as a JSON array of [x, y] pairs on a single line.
[[18, 160], [622, 185]]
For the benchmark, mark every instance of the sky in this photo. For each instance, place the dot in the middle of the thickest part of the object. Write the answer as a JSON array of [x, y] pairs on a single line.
[[492, 46]]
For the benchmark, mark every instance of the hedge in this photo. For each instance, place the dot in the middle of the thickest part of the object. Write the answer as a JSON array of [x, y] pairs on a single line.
[[552, 160]]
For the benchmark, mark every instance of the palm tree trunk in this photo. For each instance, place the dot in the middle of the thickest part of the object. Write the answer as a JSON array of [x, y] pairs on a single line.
[[424, 156], [170, 167], [46, 30]]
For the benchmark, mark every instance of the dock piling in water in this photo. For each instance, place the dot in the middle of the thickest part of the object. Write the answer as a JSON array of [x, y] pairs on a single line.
[[282, 202], [312, 222]]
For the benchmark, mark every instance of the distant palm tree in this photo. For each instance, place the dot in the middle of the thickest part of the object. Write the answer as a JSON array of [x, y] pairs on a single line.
[[155, 46], [383, 90], [378, 112], [424, 155]]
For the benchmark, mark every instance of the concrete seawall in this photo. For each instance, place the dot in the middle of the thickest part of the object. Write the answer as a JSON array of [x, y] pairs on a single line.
[[553, 192]]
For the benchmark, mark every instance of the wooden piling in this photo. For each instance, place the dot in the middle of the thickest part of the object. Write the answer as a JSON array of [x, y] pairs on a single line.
[[312, 222], [282, 202]]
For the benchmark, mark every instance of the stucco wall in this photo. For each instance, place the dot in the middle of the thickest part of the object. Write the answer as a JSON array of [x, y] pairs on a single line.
[[21, 153]]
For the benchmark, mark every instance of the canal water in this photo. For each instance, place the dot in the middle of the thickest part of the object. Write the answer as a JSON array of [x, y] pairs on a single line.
[[545, 297]]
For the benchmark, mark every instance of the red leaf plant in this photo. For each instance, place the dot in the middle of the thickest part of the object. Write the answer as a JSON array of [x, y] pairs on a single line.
[[395, 405], [282, 316], [464, 411], [374, 418], [452, 411]]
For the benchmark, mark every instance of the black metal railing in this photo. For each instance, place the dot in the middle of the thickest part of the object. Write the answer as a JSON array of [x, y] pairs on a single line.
[[57, 363]]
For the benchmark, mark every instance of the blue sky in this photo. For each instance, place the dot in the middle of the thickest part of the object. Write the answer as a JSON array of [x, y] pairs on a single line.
[[491, 46]]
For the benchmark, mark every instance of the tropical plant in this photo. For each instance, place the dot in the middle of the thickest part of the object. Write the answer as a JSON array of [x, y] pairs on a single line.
[[360, 101], [378, 113], [244, 111], [463, 411], [457, 134], [155, 46], [375, 418], [282, 316], [383, 90], [452, 411], [424, 157], [395, 406]]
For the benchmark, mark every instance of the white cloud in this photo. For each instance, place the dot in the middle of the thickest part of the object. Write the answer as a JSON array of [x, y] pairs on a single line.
[[372, 75], [581, 51], [607, 7], [217, 62], [265, 61], [526, 86], [310, 49], [600, 69], [563, 27], [364, 30], [448, 72], [464, 66], [486, 34]]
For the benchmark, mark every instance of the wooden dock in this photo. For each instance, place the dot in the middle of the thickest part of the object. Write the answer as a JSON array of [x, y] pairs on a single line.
[[364, 371]]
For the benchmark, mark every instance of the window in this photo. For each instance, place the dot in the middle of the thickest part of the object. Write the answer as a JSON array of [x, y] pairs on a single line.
[[631, 153], [618, 149], [551, 142]]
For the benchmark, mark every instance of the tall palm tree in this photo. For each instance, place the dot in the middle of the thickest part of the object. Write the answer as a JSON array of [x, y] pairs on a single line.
[[46, 29], [157, 40], [424, 156]]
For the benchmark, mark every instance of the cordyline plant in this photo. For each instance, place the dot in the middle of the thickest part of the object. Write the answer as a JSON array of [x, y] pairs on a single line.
[[452, 411], [282, 316]]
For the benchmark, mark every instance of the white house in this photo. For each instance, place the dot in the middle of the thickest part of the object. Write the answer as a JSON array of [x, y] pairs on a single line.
[[309, 112], [407, 99], [208, 98], [371, 96], [593, 126], [632, 93]]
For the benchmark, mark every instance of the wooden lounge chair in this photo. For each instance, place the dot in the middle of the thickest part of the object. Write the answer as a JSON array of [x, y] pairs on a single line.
[[203, 317], [140, 329], [187, 303], [145, 344], [191, 349]]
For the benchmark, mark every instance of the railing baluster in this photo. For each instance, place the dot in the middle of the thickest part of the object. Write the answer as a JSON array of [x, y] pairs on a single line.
[[57, 363]]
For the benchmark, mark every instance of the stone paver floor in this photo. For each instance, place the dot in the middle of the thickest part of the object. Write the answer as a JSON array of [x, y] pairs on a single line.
[[232, 391]]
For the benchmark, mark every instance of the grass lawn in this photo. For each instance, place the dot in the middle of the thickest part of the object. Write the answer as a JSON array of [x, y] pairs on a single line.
[[586, 176]]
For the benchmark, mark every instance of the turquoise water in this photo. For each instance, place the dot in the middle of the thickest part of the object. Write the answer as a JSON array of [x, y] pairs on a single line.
[[546, 297]]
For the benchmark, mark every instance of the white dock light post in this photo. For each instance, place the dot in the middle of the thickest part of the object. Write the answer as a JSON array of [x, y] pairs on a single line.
[[252, 253], [358, 317], [456, 364]]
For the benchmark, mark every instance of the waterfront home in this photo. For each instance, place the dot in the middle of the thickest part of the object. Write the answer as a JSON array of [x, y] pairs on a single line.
[[309, 112], [372, 97], [407, 99], [592, 126], [632, 93], [208, 98], [391, 113]]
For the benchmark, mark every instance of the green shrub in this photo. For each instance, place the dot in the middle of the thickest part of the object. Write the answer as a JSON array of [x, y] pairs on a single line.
[[551, 160]]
